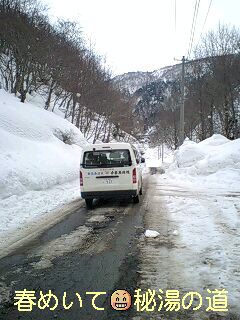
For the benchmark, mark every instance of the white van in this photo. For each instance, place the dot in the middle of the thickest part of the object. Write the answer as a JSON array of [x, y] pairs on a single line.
[[110, 170]]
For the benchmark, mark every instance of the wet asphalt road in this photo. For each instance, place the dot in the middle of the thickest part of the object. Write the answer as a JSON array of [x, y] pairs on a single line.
[[106, 260]]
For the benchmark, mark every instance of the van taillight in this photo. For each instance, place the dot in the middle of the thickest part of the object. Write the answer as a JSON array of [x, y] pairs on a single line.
[[81, 179], [134, 176]]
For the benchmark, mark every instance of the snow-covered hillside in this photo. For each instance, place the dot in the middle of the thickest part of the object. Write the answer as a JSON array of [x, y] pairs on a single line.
[[132, 81], [38, 171], [33, 157]]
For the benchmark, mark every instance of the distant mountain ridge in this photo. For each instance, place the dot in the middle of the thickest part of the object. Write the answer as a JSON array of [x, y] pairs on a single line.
[[130, 82], [150, 92]]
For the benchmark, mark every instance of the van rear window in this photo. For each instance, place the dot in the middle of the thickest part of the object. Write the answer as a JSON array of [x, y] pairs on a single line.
[[106, 158]]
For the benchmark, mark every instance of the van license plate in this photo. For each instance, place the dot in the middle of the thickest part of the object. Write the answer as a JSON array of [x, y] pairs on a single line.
[[109, 181]]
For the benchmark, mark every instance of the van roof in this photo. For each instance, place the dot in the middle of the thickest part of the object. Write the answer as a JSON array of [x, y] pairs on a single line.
[[107, 146]]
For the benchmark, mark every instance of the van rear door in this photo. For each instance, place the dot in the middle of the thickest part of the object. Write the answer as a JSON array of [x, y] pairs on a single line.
[[107, 170]]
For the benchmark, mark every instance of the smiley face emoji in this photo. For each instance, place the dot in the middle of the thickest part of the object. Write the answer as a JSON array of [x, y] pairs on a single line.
[[120, 300]]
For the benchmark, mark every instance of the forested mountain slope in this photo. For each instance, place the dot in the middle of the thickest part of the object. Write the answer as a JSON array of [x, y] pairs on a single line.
[[212, 93]]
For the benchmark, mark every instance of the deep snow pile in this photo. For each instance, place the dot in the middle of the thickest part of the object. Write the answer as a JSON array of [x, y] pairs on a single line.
[[32, 155], [212, 162], [38, 170]]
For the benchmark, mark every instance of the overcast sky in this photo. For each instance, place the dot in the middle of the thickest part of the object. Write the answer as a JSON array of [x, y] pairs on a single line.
[[140, 35]]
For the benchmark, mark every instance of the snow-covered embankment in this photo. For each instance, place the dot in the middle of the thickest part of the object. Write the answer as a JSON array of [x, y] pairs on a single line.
[[39, 162]]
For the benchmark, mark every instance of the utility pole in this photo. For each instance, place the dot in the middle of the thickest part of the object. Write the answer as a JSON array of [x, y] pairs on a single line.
[[181, 127]]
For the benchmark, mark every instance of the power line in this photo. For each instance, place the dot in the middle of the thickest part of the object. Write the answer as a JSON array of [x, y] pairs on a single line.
[[210, 3], [194, 14], [194, 27], [194, 22]]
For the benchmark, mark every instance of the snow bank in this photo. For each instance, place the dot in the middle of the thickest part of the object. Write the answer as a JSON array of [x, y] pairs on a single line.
[[32, 154], [215, 160], [39, 166]]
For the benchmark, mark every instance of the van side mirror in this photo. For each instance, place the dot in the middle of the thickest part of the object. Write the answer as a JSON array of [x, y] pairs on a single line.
[[142, 160]]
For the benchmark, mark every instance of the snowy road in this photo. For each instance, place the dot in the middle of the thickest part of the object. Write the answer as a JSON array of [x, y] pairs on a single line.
[[86, 251], [198, 248]]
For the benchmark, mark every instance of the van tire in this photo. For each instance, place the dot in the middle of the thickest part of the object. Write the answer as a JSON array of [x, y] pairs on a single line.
[[89, 203], [136, 199], [140, 191]]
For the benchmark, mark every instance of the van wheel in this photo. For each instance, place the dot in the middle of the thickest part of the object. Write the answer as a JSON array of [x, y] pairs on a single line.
[[89, 203], [140, 191], [136, 199]]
